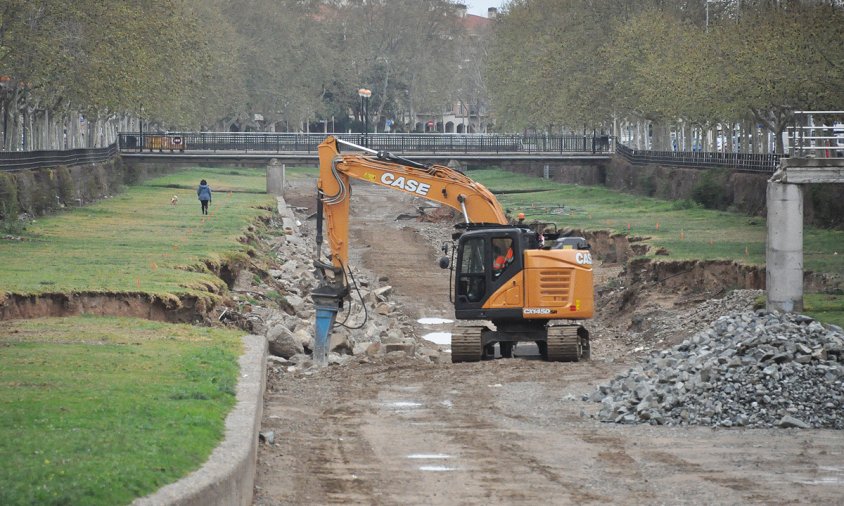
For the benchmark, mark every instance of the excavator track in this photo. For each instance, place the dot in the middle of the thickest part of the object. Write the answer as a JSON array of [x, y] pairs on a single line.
[[466, 344], [564, 344]]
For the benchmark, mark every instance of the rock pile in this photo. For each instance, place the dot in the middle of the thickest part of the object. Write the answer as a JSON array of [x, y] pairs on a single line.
[[748, 369], [280, 307]]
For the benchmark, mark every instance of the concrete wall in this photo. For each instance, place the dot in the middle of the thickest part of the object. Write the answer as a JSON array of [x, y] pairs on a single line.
[[40, 191]]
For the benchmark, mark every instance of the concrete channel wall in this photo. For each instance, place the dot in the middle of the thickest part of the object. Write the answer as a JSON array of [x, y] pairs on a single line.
[[823, 206]]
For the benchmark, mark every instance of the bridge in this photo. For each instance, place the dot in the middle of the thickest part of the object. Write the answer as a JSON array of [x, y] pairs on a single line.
[[257, 148]]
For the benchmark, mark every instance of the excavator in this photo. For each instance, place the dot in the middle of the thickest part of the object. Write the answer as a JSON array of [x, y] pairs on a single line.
[[508, 283]]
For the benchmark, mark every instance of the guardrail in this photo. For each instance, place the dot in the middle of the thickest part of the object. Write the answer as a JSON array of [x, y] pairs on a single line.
[[743, 162], [23, 160], [816, 134], [398, 143]]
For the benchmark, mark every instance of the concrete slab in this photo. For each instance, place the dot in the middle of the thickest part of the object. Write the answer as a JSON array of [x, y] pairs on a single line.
[[288, 219]]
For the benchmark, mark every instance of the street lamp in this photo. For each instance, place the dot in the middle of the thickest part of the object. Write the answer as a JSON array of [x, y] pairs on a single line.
[[141, 128], [364, 95]]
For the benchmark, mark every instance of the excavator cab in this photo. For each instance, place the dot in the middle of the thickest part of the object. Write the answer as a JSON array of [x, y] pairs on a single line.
[[489, 259], [530, 291]]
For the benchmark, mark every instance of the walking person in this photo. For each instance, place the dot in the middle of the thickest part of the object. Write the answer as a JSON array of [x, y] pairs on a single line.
[[204, 195]]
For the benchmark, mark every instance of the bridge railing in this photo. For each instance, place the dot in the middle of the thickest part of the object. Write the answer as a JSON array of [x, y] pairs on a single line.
[[275, 142], [744, 162], [816, 134], [23, 160]]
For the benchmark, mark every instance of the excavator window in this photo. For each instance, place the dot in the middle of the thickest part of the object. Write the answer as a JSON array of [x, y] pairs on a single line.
[[502, 255], [471, 285]]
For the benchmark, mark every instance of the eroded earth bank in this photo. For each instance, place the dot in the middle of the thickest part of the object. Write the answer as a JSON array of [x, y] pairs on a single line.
[[662, 414]]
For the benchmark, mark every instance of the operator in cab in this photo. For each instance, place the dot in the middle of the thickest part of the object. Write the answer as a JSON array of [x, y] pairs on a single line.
[[502, 255]]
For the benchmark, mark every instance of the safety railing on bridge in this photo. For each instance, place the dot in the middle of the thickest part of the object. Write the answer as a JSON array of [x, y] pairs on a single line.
[[23, 160], [399, 143], [816, 134], [744, 162]]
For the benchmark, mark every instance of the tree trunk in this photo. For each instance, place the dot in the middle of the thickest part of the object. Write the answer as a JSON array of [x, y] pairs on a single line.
[[688, 137], [729, 141]]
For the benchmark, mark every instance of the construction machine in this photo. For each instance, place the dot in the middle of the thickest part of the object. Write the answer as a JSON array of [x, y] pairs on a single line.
[[508, 283]]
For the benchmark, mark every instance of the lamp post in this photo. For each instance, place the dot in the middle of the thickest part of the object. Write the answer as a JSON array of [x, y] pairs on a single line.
[[364, 95], [141, 129]]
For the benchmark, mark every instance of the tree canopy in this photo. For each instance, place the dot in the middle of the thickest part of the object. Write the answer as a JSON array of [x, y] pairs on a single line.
[[570, 64], [586, 63]]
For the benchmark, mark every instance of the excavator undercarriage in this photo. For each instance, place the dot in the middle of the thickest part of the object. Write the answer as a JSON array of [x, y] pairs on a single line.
[[558, 342]]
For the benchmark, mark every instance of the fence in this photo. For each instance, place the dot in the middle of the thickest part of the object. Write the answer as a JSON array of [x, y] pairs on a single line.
[[22, 160], [817, 134], [396, 143], [743, 162]]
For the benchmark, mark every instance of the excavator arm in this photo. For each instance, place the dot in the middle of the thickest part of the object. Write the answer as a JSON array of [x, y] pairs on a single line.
[[436, 183]]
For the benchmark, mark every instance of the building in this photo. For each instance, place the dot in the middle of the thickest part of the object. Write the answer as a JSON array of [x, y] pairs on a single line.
[[470, 113]]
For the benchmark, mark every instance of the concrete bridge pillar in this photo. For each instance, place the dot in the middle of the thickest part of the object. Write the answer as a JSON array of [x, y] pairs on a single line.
[[784, 252], [275, 177]]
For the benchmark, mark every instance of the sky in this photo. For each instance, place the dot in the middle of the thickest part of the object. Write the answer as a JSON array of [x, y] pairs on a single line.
[[479, 7]]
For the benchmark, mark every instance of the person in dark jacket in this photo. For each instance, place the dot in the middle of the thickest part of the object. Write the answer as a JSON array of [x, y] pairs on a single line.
[[204, 195]]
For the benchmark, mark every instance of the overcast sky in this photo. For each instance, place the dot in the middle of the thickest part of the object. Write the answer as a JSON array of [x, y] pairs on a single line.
[[479, 7]]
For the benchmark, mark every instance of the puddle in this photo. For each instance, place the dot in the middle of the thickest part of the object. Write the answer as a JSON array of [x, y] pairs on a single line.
[[429, 456], [826, 480], [434, 321], [405, 404], [436, 469], [438, 337]]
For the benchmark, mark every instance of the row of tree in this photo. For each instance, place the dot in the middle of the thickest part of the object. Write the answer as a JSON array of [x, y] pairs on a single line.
[[662, 70], [74, 73], [77, 70]]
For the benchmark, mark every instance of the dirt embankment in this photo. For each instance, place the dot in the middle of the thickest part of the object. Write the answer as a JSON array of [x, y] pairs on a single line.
[[704, 276], [140, 305], [181, 308]]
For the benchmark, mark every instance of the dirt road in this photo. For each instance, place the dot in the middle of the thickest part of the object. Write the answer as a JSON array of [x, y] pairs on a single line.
[[510, 431]]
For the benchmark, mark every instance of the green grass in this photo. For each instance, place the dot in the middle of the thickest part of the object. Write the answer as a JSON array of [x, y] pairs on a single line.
[[100, 410], [686, 231], [221, 181], [302, 172], [138, 241], [827, 308]]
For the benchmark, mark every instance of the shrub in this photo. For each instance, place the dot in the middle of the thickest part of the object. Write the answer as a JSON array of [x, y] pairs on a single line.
[[710, 191], [64, 185], [8, 196]]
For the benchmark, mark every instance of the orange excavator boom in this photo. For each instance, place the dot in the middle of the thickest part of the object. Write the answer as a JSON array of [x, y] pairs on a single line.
[[436, 183]]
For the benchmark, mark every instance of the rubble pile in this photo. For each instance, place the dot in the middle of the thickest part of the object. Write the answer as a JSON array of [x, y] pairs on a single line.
[[748, 369], [279, 307]]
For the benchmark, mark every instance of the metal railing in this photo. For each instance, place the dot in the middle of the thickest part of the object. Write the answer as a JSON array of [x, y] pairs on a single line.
[[816, 134], [23, 160], [744, 162], [432, 143]]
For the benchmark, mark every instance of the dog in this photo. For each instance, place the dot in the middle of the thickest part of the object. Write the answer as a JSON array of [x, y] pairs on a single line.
[[174, 200]]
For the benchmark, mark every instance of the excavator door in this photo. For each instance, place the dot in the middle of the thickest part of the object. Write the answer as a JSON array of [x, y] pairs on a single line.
[[489, 273]]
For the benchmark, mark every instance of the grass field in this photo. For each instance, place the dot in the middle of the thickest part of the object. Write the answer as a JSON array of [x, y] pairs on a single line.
[[685, 230], [100, 410], [139, 242]]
